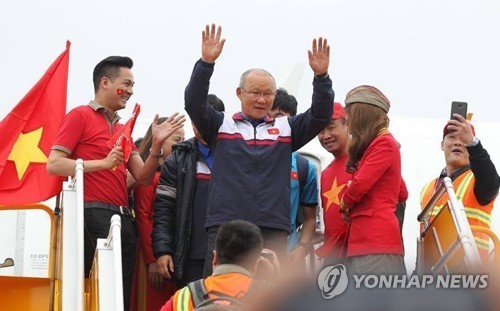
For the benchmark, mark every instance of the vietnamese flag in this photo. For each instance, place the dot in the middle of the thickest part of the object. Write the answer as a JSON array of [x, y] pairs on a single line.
[[124, 136], [28, 132]]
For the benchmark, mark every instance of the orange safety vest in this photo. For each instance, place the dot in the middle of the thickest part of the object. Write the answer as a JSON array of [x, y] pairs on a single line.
[[477, 214], [232, 284]]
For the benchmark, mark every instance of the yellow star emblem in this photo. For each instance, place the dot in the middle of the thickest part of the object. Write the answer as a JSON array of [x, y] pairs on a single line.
[[332, 195], [26, 151]]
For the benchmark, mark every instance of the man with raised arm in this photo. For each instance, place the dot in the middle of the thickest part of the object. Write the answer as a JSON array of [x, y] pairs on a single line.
[[252, 153], [474, 178]]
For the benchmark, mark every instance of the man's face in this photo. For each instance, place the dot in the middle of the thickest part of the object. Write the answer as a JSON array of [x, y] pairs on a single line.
[[455, 153], [334, 137], [257, 95], [120, 89]]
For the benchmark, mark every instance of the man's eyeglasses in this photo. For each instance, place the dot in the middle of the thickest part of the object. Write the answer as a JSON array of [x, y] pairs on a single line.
[[255, 94]]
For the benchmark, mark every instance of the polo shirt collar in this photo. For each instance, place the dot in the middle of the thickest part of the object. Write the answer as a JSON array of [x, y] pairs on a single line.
[[455, 173], [205, 150], [96, 107]]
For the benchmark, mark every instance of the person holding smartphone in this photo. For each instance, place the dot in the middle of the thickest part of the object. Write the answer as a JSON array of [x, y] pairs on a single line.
[[470, 168]]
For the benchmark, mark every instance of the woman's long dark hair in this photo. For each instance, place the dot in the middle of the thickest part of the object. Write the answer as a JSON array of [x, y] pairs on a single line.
[[365, 122]]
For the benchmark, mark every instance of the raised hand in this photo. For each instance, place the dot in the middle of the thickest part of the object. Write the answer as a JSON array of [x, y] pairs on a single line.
[[462, 129], [160, 132], [319, 57], [211, 43]]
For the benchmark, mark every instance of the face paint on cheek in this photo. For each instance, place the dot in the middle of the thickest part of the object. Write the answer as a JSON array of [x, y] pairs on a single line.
[[120, 91]]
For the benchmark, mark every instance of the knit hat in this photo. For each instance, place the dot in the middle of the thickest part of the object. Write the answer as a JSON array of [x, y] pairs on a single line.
[[367, 94], [338, 111], [446, 131]]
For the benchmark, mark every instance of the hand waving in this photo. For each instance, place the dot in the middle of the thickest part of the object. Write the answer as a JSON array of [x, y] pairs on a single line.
[[162, 131], [211, 43], [319, 57]]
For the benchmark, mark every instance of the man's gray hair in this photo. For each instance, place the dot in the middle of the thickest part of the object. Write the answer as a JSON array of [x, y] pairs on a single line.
[[257, 70]]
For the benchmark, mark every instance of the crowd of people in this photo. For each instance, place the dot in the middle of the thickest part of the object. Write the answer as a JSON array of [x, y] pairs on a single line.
[[236, 202]]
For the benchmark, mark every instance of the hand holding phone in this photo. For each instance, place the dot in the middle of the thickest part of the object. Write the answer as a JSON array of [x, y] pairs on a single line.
[[458, 108]]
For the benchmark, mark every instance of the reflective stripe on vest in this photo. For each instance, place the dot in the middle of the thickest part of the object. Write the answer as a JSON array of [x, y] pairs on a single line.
[[183, 299], [480, 215]]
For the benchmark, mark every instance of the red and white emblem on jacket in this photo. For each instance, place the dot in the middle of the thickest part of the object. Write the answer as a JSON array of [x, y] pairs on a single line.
[[273, 131]]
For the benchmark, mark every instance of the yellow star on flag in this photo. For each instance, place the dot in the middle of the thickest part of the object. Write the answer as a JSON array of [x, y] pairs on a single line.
[[332, 195], [26, 151]]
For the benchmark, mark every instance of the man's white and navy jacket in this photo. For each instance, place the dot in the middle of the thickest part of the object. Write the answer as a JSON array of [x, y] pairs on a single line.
[[251, 167]]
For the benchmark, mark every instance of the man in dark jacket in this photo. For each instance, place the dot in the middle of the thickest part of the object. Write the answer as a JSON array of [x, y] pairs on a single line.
[[252, 152], [179, 237]]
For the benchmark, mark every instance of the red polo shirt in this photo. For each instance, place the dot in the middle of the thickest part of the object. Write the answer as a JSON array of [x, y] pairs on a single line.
[[84, 134]]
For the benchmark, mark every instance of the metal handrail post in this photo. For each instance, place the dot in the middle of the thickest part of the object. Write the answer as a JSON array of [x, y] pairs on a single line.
[[79, 170], [115, 240]]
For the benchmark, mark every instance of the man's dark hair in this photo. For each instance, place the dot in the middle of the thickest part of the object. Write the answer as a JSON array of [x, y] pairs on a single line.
[[216, 102], [285, 102], [238, 242], [110, 67]]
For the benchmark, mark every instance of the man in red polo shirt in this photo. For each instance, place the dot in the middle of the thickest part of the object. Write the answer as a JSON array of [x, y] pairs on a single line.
[[84, 134]]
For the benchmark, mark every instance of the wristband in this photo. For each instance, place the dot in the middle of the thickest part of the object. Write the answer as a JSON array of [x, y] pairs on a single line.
[[474, 142], [322, 76], [156, 155]]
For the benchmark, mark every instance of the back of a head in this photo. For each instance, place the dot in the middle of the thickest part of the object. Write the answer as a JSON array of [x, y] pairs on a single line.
[[367, 108], [239, 242], [370, 95], [216, 103], [285, 102], [110, 67]]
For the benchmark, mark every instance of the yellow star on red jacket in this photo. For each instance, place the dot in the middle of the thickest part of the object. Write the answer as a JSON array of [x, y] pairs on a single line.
[[332, 195], [26, 151]]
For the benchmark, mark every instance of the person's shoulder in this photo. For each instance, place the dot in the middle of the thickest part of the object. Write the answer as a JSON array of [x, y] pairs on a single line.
[[81, 110], [184, 146], [387, 140]]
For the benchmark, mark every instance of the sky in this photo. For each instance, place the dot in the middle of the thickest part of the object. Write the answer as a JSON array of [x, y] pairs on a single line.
[[421, 54]]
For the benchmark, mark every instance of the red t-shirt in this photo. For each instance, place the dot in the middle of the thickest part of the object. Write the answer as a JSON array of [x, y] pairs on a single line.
[[334, 180], [84, 134]]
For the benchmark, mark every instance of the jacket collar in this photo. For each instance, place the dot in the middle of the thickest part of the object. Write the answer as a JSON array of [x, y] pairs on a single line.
[[239, 116], [230, 268]]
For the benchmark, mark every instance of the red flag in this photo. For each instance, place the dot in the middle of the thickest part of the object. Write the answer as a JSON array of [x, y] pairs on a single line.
[[28, 133], [124, 136]]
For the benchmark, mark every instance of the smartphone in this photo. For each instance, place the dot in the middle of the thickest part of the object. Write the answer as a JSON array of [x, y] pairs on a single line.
[[459, 108]]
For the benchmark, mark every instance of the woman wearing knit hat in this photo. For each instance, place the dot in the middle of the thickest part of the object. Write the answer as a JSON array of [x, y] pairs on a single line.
[[374, 242]]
